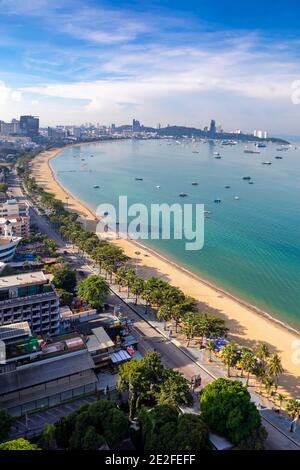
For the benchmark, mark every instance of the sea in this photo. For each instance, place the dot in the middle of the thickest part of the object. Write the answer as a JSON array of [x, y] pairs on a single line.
[[251, 238]]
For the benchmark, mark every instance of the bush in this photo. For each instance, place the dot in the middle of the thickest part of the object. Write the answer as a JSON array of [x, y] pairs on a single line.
[[18, 444]]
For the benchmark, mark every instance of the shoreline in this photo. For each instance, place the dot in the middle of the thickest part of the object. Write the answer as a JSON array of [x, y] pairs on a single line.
[[247, 323]]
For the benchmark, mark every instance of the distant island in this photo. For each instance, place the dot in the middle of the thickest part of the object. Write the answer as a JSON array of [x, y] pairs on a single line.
[[182, 131]]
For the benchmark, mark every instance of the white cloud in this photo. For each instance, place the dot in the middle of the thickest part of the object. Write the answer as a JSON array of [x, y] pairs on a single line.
[[9, 95]]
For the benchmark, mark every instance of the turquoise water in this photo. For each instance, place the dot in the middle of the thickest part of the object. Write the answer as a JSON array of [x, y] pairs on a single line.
[[251, 245]]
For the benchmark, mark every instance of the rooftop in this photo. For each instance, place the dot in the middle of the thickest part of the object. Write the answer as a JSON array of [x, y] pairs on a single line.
[[39, 373], [14, 330], [103, 338], [23, 279]]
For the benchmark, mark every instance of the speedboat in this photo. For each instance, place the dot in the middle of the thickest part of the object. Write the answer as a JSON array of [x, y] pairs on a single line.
[[236, 198], [138, 179], [217, 201], [227, 187], [266, 163], [96, 186], [194, 183], [247, 178], [182, 194], [157, 187]]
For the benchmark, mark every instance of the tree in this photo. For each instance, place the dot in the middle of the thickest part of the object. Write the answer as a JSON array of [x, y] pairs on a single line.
[[255, 441], [275, 367], [293, 410], [248, 363], [229, 356], [64, 278], [268, 383], [164, 430], [263, 353], [93, 290], [48, 436], [192, 433], [210, 346], [92, 440], [164, 313], [18, 444], [130, 279], [3, 187], [280, 397], [92, 425], [227, 408], [174, 390], [137, 288], [6, 422], [189, 326], [65, 297]]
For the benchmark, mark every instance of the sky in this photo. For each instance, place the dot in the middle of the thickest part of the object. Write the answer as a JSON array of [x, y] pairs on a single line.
[[168, 62]]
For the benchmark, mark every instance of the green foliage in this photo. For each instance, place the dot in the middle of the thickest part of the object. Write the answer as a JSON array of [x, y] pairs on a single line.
[[229, 356], [18, 444], [91, 426], [65, 297], [3, 187], [164, 430], [64, 277], [227, 408], [174, 390], [255, 440], [149, 382], [6, 422], [93, 290], [48, 436]]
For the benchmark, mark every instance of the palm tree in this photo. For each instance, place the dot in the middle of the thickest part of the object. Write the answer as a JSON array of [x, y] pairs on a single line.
[[189, 326], [137, 288], [269, 384], [263, 352], [164, 313], [120, 277], [248, 363], [293, 410], [210, 346], [280, 398], [275, 367], [229, 356], [129, 279], [260, 374]]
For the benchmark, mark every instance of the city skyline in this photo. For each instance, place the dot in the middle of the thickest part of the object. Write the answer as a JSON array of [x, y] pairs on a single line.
[[113, 61]]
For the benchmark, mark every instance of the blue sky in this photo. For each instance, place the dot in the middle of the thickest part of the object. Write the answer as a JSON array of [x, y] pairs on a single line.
[[161, 61]]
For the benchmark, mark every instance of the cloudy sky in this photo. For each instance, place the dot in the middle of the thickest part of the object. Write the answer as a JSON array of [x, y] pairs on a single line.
[[164, 61]]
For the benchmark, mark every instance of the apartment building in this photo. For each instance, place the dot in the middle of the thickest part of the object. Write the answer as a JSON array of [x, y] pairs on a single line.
[[30, 297]]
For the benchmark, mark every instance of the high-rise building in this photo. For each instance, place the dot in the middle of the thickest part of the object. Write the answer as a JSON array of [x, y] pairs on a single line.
[[260, 134], [29, 125], [136, 126], [212, 128]]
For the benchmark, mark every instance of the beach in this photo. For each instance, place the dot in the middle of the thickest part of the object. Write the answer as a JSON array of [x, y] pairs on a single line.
[[247, 325]]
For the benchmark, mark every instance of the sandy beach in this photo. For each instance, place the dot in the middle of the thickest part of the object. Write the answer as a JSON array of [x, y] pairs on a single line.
[[247, 325]]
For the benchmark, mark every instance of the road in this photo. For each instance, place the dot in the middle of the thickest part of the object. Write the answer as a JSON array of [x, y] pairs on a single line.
[[149, 338]]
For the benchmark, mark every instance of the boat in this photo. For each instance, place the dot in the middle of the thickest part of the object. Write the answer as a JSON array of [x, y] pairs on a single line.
[[217, 201], [251, 151], [206, 212], [278, 157], [194, 183], [105, 213], [138, 179], [251, 182], [92, 156], [218, 156], [195, 151], [247, 178], [82, 159], [236, 198], [227, 187], [216, 153], [157, 187], [261, 145], [96, 186], [182, 194], [266, 163]]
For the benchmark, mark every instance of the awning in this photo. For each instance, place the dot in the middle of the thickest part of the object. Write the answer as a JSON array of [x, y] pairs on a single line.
[[120, 356]]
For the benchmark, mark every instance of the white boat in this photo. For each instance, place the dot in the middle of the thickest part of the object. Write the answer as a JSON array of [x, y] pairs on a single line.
[[216, 153], [236, 198], [157, 187], [266, 163]]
